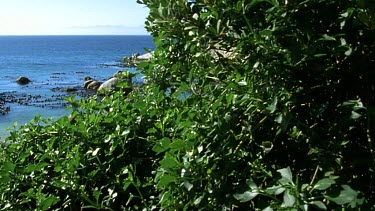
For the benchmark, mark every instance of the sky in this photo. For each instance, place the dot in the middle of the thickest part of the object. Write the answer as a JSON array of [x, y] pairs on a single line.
[[72, 17]]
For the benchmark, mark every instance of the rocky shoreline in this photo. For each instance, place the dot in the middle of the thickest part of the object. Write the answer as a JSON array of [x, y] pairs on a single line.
[[53, 101], [90, 87]]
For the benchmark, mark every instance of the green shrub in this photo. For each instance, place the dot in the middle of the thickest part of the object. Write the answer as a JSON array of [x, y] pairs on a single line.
[[252, 105]]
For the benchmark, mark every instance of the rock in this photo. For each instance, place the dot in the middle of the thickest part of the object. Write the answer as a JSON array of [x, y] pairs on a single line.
[[117, 74], [23, 80], [91, 84], [143, 57], [110, 84], [5, 110], [71, 89], [87, 83], [88, 78], [94, 85]]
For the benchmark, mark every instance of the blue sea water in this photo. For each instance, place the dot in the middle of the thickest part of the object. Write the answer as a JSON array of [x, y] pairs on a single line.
[[52, 62]]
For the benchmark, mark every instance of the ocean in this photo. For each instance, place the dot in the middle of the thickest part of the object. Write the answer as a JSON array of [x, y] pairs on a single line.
[[54, 63]]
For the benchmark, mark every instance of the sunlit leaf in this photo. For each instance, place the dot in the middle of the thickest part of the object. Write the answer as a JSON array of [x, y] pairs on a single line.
[[289, 199], [246, 196], [319, 205], [286, 176], [345, 196], [272, 107], [323, 184]]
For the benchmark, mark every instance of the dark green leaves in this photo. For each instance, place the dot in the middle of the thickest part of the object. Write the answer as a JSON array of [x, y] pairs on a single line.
[[236, 91], [165, 180], [8, 166], [48, 202]]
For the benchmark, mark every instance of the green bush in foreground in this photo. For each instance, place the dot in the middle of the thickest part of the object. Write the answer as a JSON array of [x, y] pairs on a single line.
[[252, 105]]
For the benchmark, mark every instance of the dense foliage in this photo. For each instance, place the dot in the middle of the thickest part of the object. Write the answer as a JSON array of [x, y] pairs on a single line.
[[250, 104]]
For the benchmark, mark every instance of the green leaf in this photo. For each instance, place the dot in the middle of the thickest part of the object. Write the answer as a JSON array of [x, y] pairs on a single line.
[[246, 196], [48, 202], [125, 132], [143, 65], [320, 55], [346, 195], [286, 176], [151, 131], [319, 204], [275, 190], [168, 163], [4, 178], [272, 107], [266, 32], [177, 144], [323, 184], [161, 10], [364, 18], [123, 84], [158, 149], [328, 38], [162, 146], [218, 26], [8, 166], [165, 142], [348, 52], [188, 185], [250, 182], [289, 199], [40, 166], [96, 195], [242, 83], [165, 180], [195, 16], [95, 152], [90, 207], [165, 197], [249, 194], [92, 173], [355, 115], [57, 168], [126, 185], [198, 201]]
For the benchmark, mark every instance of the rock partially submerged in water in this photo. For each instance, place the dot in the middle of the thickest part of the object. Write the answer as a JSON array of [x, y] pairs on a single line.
[[94, 85], [117, 78], [56, 100], [3, 109], [110, 84], [22, 80], [91, 84], [144, 57], [87, 83]]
